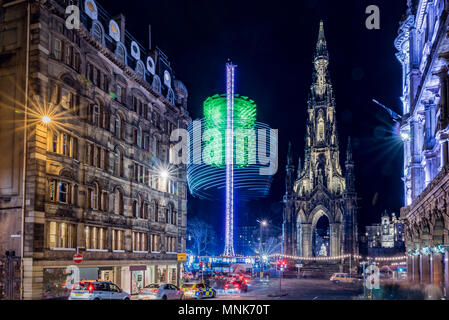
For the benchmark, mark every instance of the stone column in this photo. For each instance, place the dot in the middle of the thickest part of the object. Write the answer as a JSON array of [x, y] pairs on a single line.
[[444, 152], [410, 260], [444, 99], [416, 269], [425, 269], [446, 271], [307, 239], [437, 269]]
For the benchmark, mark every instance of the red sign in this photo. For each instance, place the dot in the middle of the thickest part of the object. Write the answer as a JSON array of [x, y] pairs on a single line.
[[78, 258]]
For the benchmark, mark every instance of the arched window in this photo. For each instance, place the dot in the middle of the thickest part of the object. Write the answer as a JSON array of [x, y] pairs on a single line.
[[119, 127], [155, 146], [140, 69], [104, 201], [171, 96], [156, 84], [135, 215], [145, 211], [142, 207], [120, 52], [120, 163], [97, 32], [95, 115], [156, 210], [95, 197], [118, 202], [320, 129]]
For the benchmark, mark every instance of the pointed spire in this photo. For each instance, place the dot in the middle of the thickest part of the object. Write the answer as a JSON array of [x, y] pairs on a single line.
[[290, 154], [321, 46], [299, 167], [349, 151]]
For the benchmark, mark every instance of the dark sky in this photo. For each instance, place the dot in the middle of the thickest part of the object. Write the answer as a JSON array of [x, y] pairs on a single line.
[[273, 43]]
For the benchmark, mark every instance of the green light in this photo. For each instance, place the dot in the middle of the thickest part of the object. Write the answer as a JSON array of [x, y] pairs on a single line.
[[245, 113]]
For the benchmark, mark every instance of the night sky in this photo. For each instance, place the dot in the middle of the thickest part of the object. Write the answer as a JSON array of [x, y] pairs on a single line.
[[273, 43]]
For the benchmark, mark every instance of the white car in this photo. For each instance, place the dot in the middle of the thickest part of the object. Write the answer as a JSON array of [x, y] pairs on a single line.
[[99, 290], [164, 291]]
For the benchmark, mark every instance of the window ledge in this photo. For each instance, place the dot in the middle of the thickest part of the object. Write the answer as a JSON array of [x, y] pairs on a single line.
[[140, 251], [155, 252], [171, 253], [63, 249], [118, 251], [96, 250]]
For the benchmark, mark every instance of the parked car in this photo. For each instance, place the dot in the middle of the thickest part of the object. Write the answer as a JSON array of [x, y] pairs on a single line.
[[344, 278], [198, 290], [99, 290], [236, 286], [165, 291]]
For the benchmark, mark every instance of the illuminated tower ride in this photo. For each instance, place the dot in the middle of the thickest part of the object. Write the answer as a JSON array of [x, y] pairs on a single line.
[[223, 158], [229, 241]]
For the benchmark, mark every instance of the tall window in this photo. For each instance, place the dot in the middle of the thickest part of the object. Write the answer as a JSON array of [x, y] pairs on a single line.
[[121, 54], [63, 192], [156, 210], [97, 33], [117, 240], [155, 243], [57, 49], [61, 235], [135, 209], [118, 202], [140, 69], [120, 163], [120, 92], [140, 242], [95, 238]]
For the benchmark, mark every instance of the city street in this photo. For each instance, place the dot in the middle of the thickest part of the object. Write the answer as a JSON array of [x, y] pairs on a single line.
[[297, 289]]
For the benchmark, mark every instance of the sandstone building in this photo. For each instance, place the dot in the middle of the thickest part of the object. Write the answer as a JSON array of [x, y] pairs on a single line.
[[97, 177]]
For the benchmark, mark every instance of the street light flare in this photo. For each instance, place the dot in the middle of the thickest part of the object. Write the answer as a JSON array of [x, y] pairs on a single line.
[[46, 119]]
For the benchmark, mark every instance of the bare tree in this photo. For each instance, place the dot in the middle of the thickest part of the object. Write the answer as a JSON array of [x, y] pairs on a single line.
[[202, 236]]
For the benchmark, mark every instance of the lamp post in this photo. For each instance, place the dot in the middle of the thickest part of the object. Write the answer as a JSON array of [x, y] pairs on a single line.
[[262, 223]]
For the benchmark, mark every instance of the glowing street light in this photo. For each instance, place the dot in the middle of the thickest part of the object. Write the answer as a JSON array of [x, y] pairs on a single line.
[[46, 119], [164, 174], [405, 136]]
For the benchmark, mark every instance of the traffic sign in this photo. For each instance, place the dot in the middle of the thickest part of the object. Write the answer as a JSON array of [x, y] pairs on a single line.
[[78, 258], [182, 256], [299, 265]]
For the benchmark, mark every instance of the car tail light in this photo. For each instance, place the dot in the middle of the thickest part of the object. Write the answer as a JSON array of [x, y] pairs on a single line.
[[90, 288], [141, 290], [155, 290], [226, 287], [237, 287]]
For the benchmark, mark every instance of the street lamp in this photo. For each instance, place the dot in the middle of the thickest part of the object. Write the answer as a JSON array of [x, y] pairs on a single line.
[[262, 223], [46, 119]]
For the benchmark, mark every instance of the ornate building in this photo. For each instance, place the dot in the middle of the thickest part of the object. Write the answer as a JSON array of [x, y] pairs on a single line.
[[385, 238], [423, 51], [320, 187], [93, 173]]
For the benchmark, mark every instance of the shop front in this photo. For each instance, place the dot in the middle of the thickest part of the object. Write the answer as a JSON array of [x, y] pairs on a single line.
[[137, 278]]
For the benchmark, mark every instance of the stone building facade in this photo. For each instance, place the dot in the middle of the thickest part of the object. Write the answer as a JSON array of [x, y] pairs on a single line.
[[423, 51], [320, 187], [385, 238], [97, 178]]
